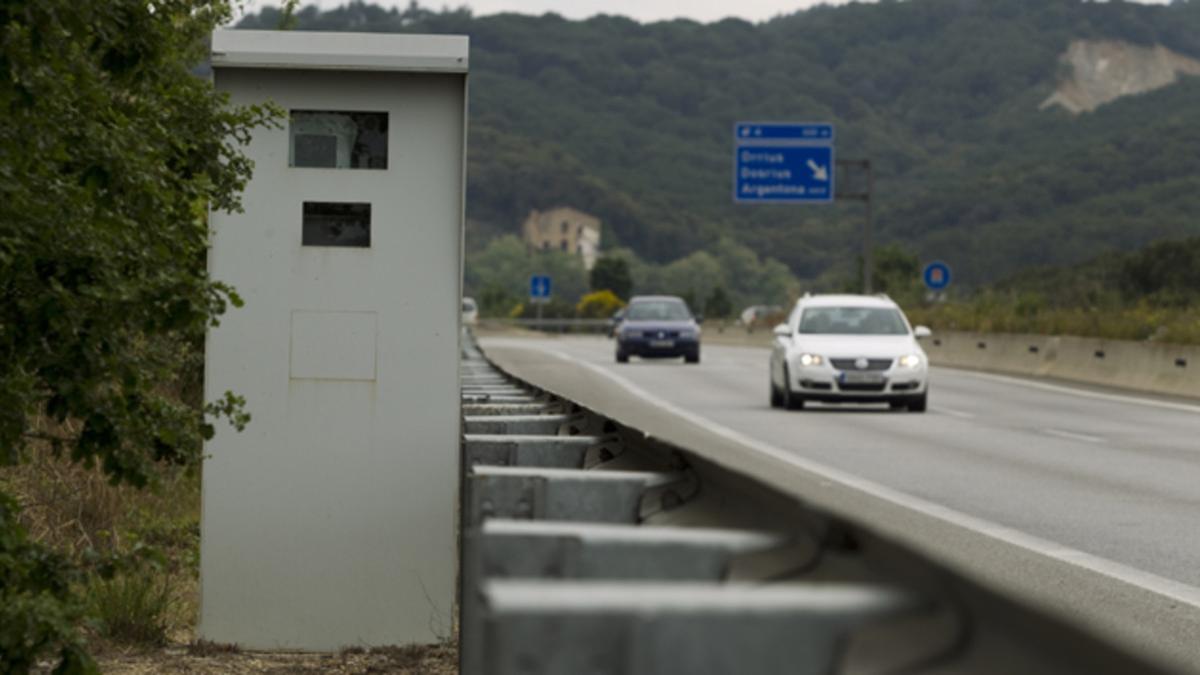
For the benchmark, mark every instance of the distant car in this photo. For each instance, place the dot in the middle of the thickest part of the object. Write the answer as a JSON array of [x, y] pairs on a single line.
[[848, 349], [470, 311], [614, 321], [755, 313], [658, 326]]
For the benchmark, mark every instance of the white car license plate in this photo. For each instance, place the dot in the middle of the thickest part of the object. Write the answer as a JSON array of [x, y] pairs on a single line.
[[862, 378], [662, 344]]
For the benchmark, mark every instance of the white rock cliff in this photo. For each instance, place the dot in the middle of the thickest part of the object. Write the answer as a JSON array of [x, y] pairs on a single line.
[[1104, 71]]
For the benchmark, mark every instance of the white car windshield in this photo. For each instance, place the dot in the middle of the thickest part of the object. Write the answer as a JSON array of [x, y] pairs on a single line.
[[658, 310], [852, 321]]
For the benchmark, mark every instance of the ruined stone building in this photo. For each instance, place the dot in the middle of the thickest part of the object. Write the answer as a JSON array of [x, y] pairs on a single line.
[[563, 229]]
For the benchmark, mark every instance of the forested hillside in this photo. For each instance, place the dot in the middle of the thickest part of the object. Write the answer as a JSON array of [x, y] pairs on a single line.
[[633, 122]]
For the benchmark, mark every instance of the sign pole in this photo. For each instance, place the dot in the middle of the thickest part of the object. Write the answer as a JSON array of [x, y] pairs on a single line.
[[539, 293], [868, 256], [862, 194]]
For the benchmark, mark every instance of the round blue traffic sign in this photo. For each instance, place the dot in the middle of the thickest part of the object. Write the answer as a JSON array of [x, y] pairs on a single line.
[[937, 276]]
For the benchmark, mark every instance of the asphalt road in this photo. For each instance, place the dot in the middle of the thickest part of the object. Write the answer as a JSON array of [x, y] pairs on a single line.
[[1116, 476]]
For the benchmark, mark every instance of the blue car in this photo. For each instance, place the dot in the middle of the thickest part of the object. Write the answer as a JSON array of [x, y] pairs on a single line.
[[658, 326]]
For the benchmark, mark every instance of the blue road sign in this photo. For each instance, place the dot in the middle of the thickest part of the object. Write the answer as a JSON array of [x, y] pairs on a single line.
[[784, 174], [753, 131], [779, 162], [937, 276], [539, 287]]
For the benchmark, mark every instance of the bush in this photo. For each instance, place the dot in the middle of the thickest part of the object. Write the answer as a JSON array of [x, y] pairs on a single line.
[[133, 607], [38, 612], [555, 308], [598, 305], [95, 528], [496, 301], [718, 306], [612, 274], [991, 312], [111, 154]]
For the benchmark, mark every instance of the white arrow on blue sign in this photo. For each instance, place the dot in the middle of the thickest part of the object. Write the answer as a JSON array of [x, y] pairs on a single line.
[[783, 162], [539, 287], [937, 276]]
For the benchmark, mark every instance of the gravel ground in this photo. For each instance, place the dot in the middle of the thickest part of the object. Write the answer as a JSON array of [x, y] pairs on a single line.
[[440, 659]]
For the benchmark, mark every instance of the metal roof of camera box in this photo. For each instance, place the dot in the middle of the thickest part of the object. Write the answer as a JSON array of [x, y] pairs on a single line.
[[309, 50]]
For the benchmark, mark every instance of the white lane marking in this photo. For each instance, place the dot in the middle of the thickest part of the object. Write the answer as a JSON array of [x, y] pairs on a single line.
[[1070, 435], [1148, 581], [955, 413], [1083, 393]]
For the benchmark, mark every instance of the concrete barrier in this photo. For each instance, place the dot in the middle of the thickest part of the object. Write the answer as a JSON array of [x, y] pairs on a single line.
[[1140, 366]]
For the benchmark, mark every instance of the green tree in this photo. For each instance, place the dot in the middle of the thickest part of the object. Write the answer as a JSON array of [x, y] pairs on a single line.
[[111, 152], [692, 278], [753, 280], [287, 20], [897, 272], [612, 274], [718, 306], [495, 301], [506, 264]]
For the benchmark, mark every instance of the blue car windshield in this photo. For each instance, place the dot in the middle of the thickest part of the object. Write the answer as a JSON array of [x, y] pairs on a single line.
[[852, 321], [658, 310]]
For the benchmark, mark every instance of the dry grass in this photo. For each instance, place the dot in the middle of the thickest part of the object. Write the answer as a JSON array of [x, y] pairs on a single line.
[[993, 314], [75, 510]]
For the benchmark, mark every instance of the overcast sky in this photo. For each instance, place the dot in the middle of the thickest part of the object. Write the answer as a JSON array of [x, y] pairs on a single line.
[[642, 10]]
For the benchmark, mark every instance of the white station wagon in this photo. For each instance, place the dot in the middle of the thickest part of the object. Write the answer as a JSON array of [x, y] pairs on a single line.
[[849, 349]]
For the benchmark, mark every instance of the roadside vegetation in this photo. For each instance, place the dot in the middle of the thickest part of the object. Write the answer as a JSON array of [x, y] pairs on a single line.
[[138, 549], [1151, 294], [111, 153], [715, 282]]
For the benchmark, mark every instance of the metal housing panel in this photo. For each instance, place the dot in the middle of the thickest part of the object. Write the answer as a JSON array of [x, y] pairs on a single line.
[[333, 345], [331, 520], [339, 51]]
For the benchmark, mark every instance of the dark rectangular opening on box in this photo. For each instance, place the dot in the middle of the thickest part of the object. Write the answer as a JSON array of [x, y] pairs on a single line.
[[330, 139], [337, 224]]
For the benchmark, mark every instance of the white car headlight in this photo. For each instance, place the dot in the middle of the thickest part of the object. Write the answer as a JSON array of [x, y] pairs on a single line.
[[910, 361], [811, 360]]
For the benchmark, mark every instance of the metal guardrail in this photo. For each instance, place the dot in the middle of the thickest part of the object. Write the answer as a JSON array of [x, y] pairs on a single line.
[[593, 326], [603, 326], [589, 547]]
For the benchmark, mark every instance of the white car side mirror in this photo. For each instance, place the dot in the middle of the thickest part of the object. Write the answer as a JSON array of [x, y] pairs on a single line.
[[922, 332], [783, 331]]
